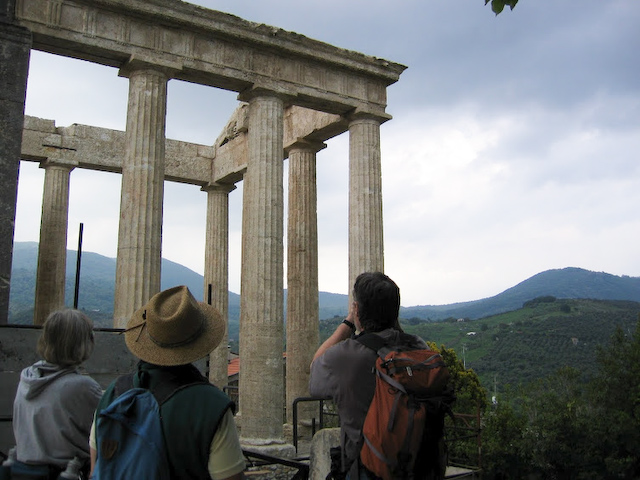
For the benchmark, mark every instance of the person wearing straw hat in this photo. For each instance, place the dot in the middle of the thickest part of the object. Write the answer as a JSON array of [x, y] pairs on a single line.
[[168, 334]]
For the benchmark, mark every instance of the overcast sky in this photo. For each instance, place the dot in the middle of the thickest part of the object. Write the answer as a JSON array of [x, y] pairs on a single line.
[[514, 146]]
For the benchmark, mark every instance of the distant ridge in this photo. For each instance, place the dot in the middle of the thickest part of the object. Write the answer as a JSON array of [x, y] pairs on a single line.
[[97, 280], [97, 283], [567, 282]]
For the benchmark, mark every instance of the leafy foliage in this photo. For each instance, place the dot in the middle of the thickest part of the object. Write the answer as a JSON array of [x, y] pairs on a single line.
[[563, 427], [539, 300], [497, 6], [471, 399], [617, 391], [470, 394]]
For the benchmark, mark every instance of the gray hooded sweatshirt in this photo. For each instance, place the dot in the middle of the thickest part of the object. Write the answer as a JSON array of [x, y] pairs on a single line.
[[52, 414]]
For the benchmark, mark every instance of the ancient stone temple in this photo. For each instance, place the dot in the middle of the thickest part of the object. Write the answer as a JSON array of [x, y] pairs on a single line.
[[294, 94]]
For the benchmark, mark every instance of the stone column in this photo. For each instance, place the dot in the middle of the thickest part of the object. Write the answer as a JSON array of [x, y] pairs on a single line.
[[302, 276], [140, 231], [15, 48], [216, 272], [366, 249], [52, 249], [261, 309]]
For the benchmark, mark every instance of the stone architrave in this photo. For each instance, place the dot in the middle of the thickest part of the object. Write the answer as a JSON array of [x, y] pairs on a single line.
[[366, 248], [15, 47], [261, 310], [211, 48], [302, 275], [52, 249], [216, 272], [140, 231]]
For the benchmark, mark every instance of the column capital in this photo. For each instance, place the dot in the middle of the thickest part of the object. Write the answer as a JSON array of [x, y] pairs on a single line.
[[58, 162], [358, 115], [256, 91], [10, 31], [304, 144], [137, 64], [218, 187]]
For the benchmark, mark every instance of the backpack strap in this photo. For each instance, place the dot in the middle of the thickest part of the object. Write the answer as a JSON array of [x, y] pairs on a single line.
[[382, 347], [168, 385], [372, 341], [123, 384]]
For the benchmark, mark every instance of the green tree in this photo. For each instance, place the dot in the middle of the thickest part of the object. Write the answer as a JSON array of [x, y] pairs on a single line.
[[567, 428], [503, 449], [558, 434], [471, 400], [470, 394], [544, 432], [616, 392]]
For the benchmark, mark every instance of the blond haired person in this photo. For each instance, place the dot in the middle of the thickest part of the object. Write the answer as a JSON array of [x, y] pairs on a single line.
[[54, 404]]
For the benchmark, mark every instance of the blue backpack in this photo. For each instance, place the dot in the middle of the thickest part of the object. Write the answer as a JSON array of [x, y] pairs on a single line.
[[129, 435]]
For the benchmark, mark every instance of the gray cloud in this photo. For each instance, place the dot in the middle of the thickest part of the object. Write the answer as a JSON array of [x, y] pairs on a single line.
[[513, 147]]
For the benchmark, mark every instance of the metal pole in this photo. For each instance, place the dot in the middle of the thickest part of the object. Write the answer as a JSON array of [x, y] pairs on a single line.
[[78, 261]]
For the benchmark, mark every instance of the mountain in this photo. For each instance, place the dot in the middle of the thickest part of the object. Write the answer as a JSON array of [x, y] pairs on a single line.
[[560, 283], [97, 283], [97, 280]]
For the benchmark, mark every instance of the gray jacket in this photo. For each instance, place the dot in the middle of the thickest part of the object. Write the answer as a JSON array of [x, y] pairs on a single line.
[[52, 414]]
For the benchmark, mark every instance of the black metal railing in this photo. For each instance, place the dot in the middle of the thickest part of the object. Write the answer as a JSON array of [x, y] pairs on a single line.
[[321, 416], [466, 427]]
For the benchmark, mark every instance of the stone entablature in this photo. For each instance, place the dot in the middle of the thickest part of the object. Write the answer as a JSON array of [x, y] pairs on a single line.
[[102, 149], [208, 47]]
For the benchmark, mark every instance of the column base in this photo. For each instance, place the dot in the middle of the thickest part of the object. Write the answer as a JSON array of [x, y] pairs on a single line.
[[265, 465], [305, 429], [273, 448], [319, 457]]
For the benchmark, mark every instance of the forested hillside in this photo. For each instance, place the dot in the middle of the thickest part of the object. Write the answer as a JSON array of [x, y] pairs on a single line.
[[528, 343], [533, 341]]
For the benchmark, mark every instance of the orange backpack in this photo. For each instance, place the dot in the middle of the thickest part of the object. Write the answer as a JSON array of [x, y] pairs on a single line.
[[404, 427]]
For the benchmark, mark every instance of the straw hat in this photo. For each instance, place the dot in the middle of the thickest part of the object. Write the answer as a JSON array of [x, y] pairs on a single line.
[[173, 328]]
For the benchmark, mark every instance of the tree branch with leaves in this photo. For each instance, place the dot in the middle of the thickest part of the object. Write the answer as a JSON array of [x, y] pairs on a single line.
[[497, 6]]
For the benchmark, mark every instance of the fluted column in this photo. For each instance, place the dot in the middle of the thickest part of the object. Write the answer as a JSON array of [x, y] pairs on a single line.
[[216, 272], [140, 230], [261, 310], [52, 249], [14, 61], [366, 248], [302, 275]]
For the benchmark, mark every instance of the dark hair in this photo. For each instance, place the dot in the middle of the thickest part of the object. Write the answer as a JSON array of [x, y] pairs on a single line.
[[378, 299], [67, 338]]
